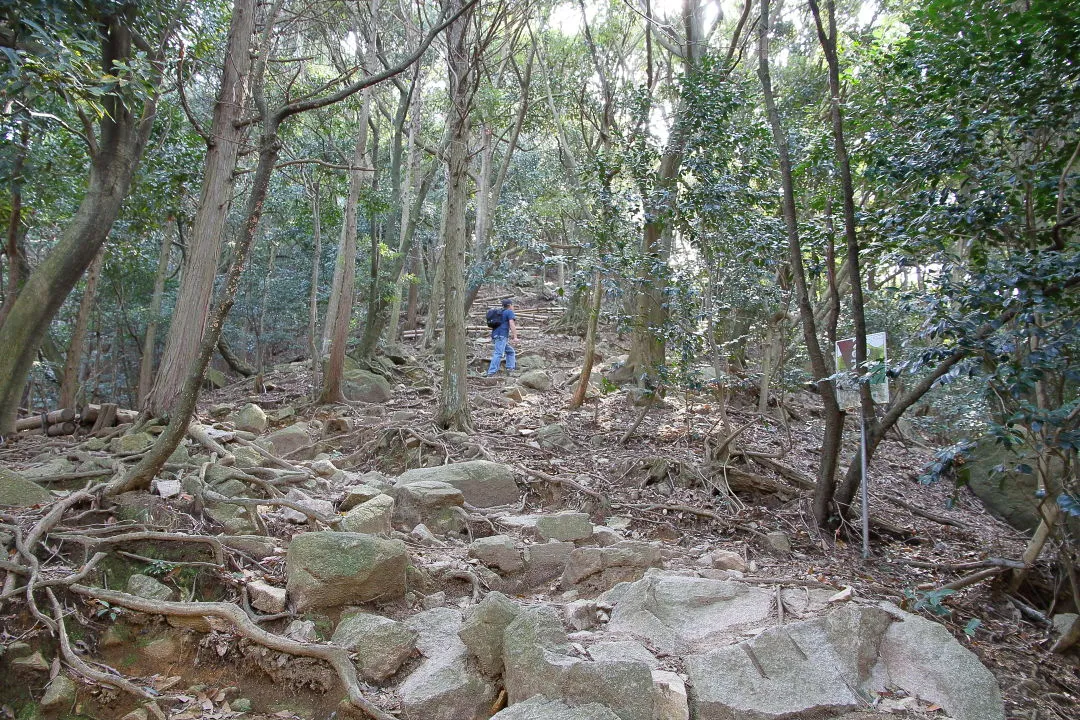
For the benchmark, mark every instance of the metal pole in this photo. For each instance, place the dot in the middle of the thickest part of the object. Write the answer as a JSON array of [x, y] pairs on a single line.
[[865, 490]]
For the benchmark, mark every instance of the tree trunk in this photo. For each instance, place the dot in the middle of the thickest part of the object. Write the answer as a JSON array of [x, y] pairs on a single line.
[[122, 139], [453, 412], [70, 387], [833, 415], [359, 176], [236, 363], [18, 267], [590, 342], [146, 363], [204, 246], [406, 194], [313, 296], [828, 45]]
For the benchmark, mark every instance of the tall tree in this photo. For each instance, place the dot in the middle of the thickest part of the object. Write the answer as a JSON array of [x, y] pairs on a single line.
[[115, 147]]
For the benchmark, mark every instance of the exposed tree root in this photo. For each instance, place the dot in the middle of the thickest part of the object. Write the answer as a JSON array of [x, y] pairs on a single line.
[[338, 658]]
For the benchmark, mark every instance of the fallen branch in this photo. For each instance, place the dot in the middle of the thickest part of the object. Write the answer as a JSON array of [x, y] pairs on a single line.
[[566, 482], [147, 536], [915, 510], [337, 657], [201, 434]]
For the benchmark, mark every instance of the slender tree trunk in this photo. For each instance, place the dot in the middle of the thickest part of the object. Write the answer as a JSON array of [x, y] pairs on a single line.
[[453, 412], [204, 246], [313, 297], [18, 267], [833, 416], [335, 292], [120, 146], [333, 378], [405, 240], [590, 341], [146, 363], [70, 387], [828, 45]]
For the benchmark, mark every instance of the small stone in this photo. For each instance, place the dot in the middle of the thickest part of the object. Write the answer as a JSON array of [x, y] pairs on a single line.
[[324, 468], [266, 597], [381, 644], [165, 649], [555, 437], [167, 487], [241, 705], [302, 631], [136, 714], [726, 560], [779, 542], [147, 587], [1063, 622], [536, 379], [132, 444], [60, 693], [580, 614], [372, 517], [34, 661], [425, 537], [435, 600], [358, 494], [250, 418], [499, 552], [670, 696]]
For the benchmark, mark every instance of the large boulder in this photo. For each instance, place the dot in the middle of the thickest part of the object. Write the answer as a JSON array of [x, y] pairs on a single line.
[[443, 687], [147, 587], [328, 569], [925, 659], [603, 567], [536, 662], [431, 503], [482, 631], [535, 379], [372, 516], [676, 614], [381, 644], [499, 552], [829, 664], [554, 437], [364, 386], [482, 483], [17, 491]]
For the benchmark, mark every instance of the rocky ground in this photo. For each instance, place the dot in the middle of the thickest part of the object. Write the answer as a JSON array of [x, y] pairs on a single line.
[[548, 566]]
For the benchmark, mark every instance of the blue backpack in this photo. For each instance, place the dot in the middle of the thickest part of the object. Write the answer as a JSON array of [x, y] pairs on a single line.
[[494, 317]]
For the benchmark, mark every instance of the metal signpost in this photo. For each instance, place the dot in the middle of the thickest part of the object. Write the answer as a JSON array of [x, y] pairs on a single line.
[[847, 396]]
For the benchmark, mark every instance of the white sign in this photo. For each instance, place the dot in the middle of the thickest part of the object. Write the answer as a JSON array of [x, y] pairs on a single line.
[[877, 361]]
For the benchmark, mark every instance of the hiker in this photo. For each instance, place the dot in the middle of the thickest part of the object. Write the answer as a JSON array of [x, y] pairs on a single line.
[[503, 329]]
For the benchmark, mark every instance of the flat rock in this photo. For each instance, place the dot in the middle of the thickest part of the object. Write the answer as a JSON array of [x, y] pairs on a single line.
[[554, 437], [17, 491], [131, 443], [327, 569], [381, 644], [623, 650], [539, 707], [323, 507], [373, 516], [545, 561], [670, 694], [564, 526], [481, 482], [60, 694], [676, 614], [499, 552]]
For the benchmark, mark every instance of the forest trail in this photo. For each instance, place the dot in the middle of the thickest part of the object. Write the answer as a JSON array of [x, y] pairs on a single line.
[[540, 561]]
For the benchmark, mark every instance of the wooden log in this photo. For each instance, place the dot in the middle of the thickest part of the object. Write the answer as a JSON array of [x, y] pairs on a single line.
[[46, 419], [106, 418]]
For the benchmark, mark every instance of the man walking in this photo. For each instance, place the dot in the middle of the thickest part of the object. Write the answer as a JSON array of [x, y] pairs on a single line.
[[501, 336]]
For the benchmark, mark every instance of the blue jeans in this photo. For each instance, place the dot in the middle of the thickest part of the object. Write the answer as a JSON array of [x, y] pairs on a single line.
[[502, 348]]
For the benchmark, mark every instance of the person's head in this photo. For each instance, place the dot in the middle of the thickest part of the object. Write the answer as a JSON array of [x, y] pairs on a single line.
[[508, 303]]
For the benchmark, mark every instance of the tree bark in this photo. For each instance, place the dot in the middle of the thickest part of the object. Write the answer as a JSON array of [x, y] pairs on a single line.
[[69, 389], [453, 412], [146, 363], [18, 267], [313, 296], [119, 147], [204, 246]]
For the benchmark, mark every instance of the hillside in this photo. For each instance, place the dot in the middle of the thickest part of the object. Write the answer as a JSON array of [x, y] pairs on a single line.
[[612, 572]]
